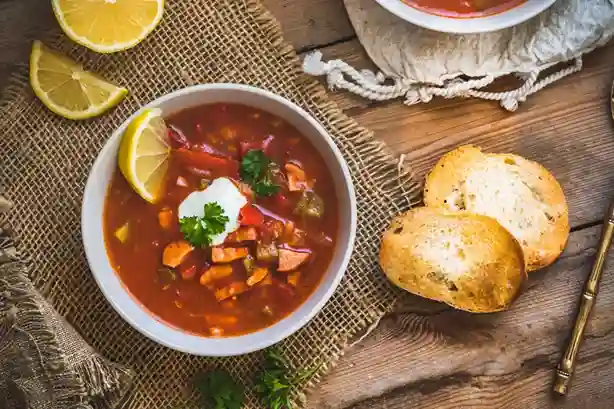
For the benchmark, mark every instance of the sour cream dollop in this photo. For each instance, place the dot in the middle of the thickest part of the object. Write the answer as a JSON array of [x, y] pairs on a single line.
[[223, 192]]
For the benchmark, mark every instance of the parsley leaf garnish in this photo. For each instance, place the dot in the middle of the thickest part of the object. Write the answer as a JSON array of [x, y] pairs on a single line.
[[199, 231], [254, 164], [274, 384], [256, 171], [265, 187], [219, 390]]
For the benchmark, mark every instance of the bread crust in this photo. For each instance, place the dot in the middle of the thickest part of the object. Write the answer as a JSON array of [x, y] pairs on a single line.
[[468, 261], [521, 194]]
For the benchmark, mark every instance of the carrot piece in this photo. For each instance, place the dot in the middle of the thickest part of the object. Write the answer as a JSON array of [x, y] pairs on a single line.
[[295, 170], [293, 278], [288, 231], [228, 254], [215, 273], [233, 289], [293, 235], [175, 252], [122, 232], [165, 218], [257, 276], [290, 259], [297, 179], [267, 280], [216, 331], [243, 234]]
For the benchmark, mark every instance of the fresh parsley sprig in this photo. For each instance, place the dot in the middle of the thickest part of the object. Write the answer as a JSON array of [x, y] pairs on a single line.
[[274, 384], [199, 231], [218, 390], [256, 170]]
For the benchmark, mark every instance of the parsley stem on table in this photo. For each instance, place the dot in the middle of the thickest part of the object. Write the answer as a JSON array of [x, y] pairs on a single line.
[[275, 383], [218, 390]]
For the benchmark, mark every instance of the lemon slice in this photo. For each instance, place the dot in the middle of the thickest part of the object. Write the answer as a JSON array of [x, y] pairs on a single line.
[[144, 154], [108, 26], [66, 89]]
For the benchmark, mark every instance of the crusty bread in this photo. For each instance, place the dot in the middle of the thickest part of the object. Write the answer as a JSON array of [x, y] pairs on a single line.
[[468, 261], [520, 194]]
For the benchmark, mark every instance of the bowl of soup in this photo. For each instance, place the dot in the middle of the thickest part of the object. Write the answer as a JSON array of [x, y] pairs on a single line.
[[466, 16], [283, 239]]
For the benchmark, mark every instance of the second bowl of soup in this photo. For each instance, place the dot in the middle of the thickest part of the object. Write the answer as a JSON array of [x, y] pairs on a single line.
[[248, 236], [466, 16]]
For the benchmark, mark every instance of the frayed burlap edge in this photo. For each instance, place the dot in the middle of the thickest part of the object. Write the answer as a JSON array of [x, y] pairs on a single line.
[[91, 384]]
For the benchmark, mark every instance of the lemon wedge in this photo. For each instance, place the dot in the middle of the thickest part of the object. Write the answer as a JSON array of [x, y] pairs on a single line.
[[144, 154], [108, 26], [66, 89]]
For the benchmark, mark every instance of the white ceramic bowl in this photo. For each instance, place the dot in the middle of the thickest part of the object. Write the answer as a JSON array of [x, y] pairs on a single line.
[[144, 321], [459, 25]]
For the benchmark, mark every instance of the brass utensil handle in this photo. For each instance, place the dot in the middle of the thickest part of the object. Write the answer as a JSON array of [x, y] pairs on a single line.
[[566, 367]]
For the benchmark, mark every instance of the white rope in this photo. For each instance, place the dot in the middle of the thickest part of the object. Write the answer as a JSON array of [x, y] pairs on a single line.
[[366, 83]]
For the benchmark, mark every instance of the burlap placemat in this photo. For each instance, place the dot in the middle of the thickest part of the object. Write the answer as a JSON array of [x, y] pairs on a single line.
[[45, 161], [44, 363]]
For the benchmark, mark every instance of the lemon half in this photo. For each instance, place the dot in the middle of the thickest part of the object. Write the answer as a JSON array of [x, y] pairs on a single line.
[[66, 89], [108, 26], [144, 154]]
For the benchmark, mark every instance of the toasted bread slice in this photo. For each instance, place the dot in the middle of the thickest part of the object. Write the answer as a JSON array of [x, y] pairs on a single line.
[[520, 194], [465, 260]]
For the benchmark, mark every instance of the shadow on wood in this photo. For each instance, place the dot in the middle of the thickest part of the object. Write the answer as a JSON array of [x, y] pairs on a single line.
[[431, 356]]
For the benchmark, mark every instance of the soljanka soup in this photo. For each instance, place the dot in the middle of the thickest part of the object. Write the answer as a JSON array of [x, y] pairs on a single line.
[[464, 8], [241, 230]]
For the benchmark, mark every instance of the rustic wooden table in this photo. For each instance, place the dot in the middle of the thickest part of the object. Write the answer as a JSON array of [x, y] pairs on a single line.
[[428, 356], [425, 356]]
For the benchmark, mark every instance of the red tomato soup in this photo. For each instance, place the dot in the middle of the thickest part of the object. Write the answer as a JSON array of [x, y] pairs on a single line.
[[251, 171], [464, 8]]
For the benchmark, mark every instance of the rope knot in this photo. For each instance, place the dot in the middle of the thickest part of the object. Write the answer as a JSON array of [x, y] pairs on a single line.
[[510, 103], [417, 95], [371, 77], [334, 78], [313, 64]]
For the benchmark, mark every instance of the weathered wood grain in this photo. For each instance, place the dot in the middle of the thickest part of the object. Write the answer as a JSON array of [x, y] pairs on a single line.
[[16, 32], [430, 356], [312, 23], [566, 127]]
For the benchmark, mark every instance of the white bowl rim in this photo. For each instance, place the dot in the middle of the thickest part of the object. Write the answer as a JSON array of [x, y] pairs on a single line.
[[470, 25], [204, 346]]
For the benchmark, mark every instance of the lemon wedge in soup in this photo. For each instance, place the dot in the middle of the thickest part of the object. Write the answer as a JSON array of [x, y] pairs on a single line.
[[144, 154]]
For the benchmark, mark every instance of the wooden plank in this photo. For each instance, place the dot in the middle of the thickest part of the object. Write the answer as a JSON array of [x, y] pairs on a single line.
[[566, 127], [430, 356], [313, 23], [306, 24]]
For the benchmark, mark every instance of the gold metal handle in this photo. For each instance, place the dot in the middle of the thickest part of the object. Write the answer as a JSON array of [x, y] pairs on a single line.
[[567, 365]]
